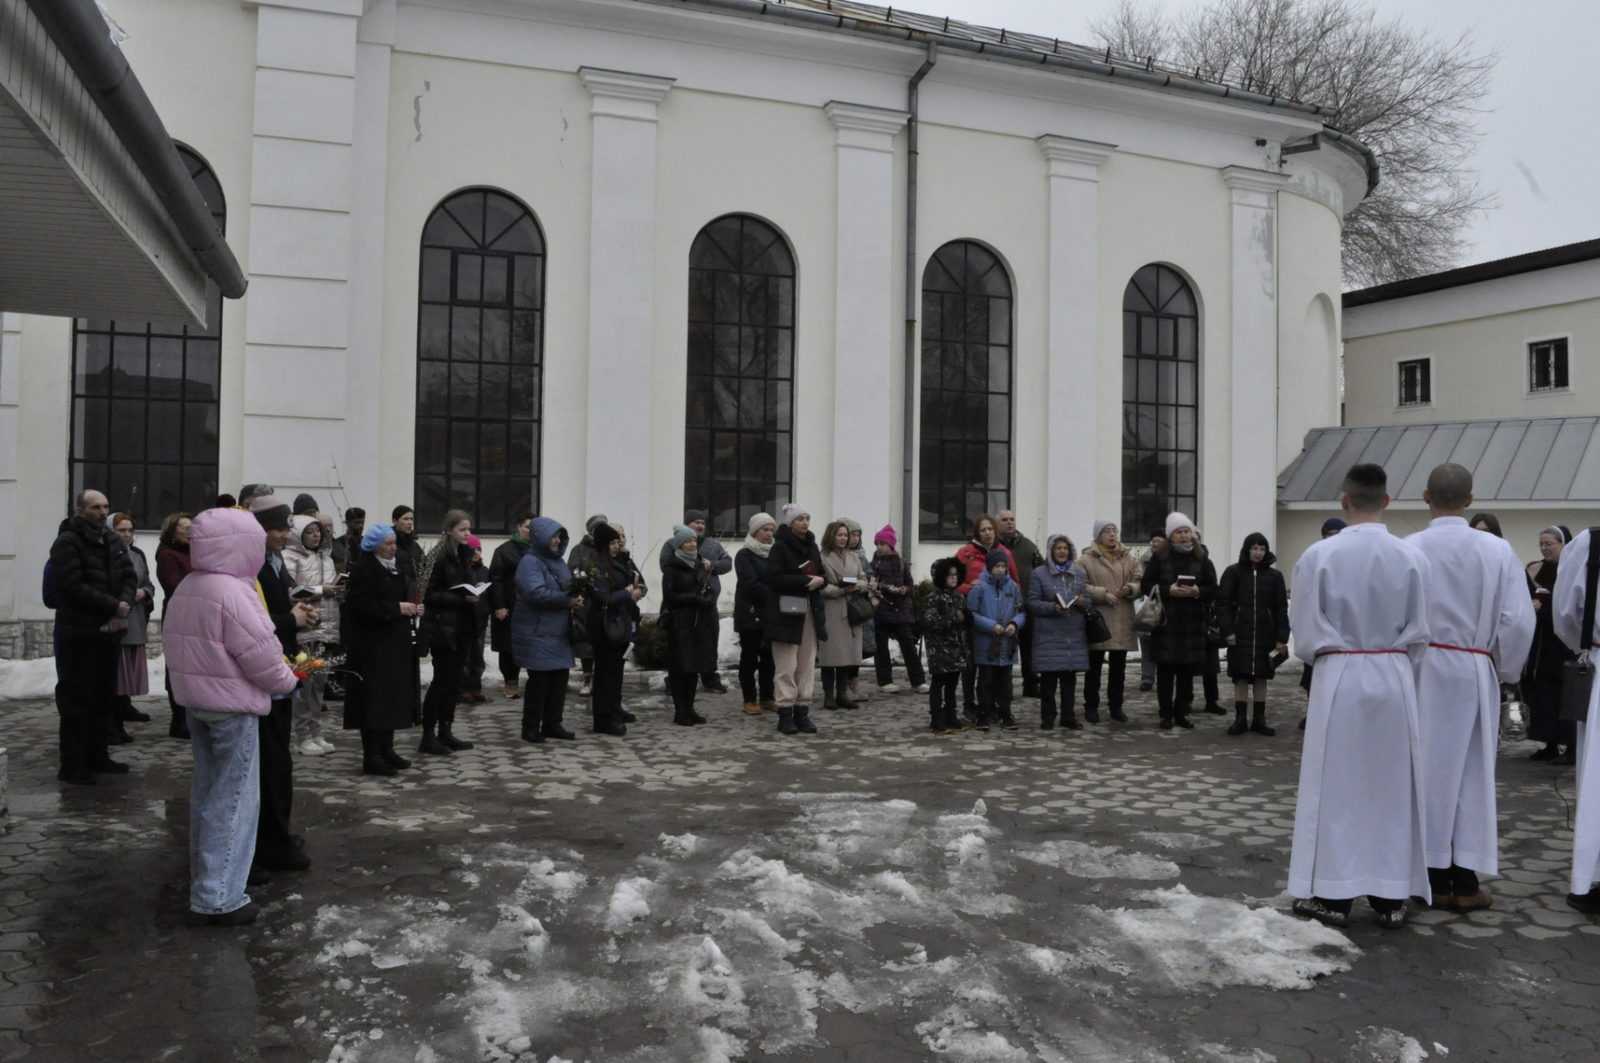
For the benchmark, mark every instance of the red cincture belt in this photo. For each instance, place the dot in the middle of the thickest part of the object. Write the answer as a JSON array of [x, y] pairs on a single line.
[[1357, 653], [1460, 649]]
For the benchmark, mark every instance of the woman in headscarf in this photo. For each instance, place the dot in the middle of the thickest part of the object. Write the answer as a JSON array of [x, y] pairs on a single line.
[[448, 626], [689, 611], [541, 630], [1253, 607], [749, 608], [842, 651], [795, 621], [1187, 583], [133, 671], [1542, 675], [172, 565], [614, 592], [1058, 595], [1113, 575], [382, 677]]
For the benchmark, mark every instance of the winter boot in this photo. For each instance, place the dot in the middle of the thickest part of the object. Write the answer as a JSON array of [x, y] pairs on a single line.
[[1091, 713], [1258, 720], [786, 720], [430, 742], [802, 720], [446, 726], [1047, 719], [1069, 718], [1239, 726], [388, 753], [179, 727], [372, 762]]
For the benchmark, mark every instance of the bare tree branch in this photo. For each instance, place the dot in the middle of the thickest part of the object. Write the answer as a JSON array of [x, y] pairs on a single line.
[[1413, 98]]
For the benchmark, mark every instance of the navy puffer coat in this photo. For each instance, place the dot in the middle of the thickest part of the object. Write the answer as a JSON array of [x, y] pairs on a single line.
[[541, 624]]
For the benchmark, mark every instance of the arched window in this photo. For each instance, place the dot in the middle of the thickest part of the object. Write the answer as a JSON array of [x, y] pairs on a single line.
[[1160, 399], [480, 360], [739, 422], [145, 399], [966, 389]]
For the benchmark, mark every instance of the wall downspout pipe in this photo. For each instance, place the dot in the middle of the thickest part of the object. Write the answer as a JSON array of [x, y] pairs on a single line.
[[81, 33], [908, 498]]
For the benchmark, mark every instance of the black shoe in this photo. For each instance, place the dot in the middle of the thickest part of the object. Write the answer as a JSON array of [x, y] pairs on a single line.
[[257, 877], [1549, 752], [555, 730], [1259, 726], [1213, 709], [107, 766], [238, 917], [786, 720], [133, 715], [77, 778], [431, 745], [628, 717], [802, 720], [1047, 723], [1008, 722], [394, 759], [455, 744], [377, 766], [1145, 686], [1315, 908], [1071, 723], [1239, 725], [1587, 903], [533, 736], [119, 736], [1184, 722], [616, 730], [1118, 716], [1392, 918], [1166, 723], [291, 861], [981, 723], [1093, 715], [716, 686]]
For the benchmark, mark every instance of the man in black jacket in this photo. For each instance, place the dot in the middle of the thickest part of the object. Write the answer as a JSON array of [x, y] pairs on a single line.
[[96, 585], [1028, 558], [276, 848]]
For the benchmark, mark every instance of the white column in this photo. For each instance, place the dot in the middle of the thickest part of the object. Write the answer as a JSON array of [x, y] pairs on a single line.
[[866, 343], [1072, 430], [297, 310], [11, 512], [1253, 430], [622, 237]]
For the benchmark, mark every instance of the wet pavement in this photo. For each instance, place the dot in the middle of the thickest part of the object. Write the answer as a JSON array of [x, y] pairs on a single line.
[[719, 893]]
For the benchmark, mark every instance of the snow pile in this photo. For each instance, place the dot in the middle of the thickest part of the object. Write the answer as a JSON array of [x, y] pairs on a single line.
[[516, 927], [1082, 860], [1177, 841], [544, 878], [718, 1047], [1193, 940], [629, 903], [679, 845], [955, 1035], [1383, 1045], [1218, 1053]]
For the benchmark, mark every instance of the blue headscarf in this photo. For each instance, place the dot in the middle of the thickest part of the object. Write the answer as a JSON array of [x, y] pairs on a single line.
[[374, 536]]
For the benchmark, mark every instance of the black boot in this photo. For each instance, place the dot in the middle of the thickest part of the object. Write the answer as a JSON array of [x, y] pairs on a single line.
[[372, 759], [1069, 718], [786, 720], [1117, 715], [1091, 713], [430, 743], [394, 759], [179, 727], [802, 720], [1239, 726], [447, 723], [1258, 720], [1047, 720]]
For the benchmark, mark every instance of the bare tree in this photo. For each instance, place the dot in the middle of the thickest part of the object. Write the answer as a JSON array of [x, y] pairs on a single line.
[[1413, 98]]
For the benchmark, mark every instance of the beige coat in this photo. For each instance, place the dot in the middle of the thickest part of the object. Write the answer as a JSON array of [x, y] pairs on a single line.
[[843, 648], [1120, 572]]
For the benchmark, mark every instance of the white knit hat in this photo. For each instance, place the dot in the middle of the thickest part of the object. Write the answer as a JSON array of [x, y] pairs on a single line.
[[1178, 520], [793, 512]]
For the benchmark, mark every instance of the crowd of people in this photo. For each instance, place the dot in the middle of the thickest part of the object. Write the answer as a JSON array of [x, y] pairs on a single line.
[[270, 615]]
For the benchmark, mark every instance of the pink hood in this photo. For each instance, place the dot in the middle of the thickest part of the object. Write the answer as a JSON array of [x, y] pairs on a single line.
[[222, 651]]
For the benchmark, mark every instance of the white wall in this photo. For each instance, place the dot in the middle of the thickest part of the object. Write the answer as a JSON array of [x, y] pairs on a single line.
[[1308, 321]]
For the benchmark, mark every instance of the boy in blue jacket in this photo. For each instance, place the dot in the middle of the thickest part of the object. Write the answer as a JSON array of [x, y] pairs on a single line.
[[995, 603]]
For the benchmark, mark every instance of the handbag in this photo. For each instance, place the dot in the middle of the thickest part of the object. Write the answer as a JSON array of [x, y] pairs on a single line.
[[1577, 675], [618, 625], [1149, 614], [858, 609], [1095, 628], [1216, 638], [793, 605]]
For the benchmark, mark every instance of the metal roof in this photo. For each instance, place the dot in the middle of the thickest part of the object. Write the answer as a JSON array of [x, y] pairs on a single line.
[[1547, 258], [1555, 460]]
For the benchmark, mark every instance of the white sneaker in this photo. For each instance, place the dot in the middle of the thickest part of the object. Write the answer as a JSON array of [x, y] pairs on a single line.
[[923, 689], [890, 688], [327, 746], [312, 748]]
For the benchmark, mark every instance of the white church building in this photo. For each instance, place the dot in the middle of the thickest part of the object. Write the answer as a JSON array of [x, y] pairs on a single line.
[[638, 256]]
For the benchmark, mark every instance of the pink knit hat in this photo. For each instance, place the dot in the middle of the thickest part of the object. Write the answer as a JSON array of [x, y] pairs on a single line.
[[886, 535], [475, 543]]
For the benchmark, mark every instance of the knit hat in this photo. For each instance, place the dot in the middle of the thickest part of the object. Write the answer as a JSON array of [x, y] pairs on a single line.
[[692, 515], [759, 521], [1333, 525], [271, 514], [1100, 526], [593, 522], [353, 512], [996, 557], [474, 543], [374, 536], [1177, 520], [304, 505], [793, 512], [250, 491], [604, 535], [886, 535], [682, 534], [400, 511]]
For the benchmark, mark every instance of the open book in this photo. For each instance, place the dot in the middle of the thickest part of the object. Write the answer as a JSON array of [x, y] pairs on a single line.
[[474, 589]]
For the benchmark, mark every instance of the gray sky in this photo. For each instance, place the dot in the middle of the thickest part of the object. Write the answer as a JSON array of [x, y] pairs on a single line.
[[1539, 154]]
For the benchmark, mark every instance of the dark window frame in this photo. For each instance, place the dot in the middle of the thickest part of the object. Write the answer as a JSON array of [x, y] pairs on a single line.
[[739, 372], [965, 466], [1161, 399], [1558, 371], [481, 277], [175, 422], [1419, 390]]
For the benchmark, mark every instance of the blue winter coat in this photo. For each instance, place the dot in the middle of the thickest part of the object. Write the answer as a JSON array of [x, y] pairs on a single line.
[[989, 604], [541, 623], [1059, 642]]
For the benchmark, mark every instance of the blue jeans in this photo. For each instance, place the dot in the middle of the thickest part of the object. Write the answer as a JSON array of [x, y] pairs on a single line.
[[223, 805]]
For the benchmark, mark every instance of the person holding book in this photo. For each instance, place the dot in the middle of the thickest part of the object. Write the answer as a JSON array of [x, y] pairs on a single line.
[[795, 621], [840, 656], [1187, 582], [1113, 574], [895, 617], [451, 598], [1058, 599], [1253, 609]]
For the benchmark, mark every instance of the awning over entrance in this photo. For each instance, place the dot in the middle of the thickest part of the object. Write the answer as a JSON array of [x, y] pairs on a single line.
[[84, 229]]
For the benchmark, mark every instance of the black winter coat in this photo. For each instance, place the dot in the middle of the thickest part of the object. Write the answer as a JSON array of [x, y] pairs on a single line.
[[750, 593], [689, 609], [409, 555], [897, 610], [93, 573], [450, 618], [503, 593], [1028, 558], [788, 574], [1253, 609], [386, 696], [608, 592], [1549, 655], [944, 623], [280, 607], [1182, 639]]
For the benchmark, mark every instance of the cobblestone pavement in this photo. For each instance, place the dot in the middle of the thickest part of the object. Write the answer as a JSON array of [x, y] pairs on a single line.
[[716, 893]]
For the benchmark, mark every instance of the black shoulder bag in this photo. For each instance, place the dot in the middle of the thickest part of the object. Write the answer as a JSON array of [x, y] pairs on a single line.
[[1577, 675]]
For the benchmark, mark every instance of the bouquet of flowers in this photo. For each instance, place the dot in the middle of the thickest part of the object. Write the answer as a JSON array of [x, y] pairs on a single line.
[[303, 665]]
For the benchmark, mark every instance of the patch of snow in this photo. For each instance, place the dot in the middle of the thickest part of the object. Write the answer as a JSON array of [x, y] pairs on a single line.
[[1194, 940], [1082, 860], [893, 882], [955, 1035], [1383, 1045], [718, 1047], [679, 845], [1218, 1053], [1177, 841], [629, 902], [346, 949]]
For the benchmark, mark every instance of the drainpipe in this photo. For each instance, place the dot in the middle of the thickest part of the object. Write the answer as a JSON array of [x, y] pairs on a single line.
[[908, 411]]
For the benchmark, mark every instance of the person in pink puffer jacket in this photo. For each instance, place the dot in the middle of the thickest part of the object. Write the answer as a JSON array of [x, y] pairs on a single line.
[[226, 665]]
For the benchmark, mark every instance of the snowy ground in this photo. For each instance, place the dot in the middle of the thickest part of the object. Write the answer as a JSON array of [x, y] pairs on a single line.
[[718, 893]]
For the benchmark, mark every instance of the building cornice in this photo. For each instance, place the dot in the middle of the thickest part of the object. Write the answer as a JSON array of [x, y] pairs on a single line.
[[1077, 159], [1250, 187], [620, 94], [857, 125]]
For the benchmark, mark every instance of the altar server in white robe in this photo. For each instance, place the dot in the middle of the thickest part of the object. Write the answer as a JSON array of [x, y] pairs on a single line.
[[1359, 612], [1480, 627], [1568, 623]]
